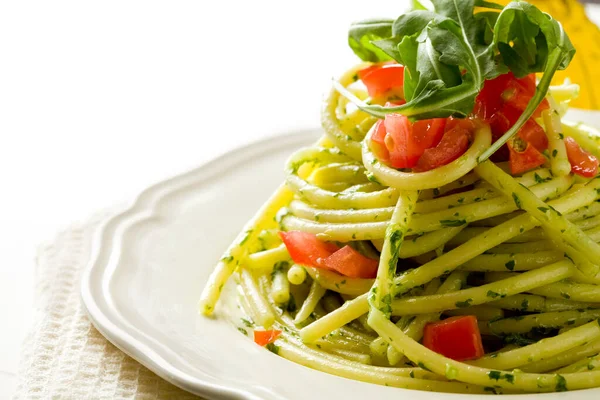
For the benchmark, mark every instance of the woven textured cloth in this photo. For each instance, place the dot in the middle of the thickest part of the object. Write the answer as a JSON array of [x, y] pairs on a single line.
[[64, 356]]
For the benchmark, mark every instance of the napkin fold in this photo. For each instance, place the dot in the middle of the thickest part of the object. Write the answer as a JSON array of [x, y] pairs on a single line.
[[63, 355]]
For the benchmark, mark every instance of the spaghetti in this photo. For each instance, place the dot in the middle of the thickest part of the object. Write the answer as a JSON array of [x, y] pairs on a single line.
[[468, 238]]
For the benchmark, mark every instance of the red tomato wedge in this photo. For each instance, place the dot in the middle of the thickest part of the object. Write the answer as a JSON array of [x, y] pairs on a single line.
[[454, 143], [499, 124], [429, 132], [501, 102], [457, 338], [531, 131], [380, 79], [582, 162], [378, 142], [404, 141], [525, 160], [306, 248], [403, 148], [351, 263], [263, 338], [506, 90]]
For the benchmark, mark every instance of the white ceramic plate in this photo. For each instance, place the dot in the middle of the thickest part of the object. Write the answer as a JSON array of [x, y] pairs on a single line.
[[149, 266]]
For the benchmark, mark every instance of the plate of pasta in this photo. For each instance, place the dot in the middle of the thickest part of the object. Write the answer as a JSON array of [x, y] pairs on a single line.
[[438, 234]]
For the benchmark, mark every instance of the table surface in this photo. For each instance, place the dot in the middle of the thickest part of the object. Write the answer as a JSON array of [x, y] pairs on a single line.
[[98, 100]]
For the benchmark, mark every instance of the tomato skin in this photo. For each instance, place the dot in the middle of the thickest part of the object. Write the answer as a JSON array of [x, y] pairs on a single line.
[[531, 131], [499, 124], [263, 338], [429, 132], [582, 162], [457, 338], [404, 141], [404, 150], [380, 79], [454, 143], [523, 161], [305, 248], [351, 263], [507, 90], [366, 71], [378, 142], [465, 123]]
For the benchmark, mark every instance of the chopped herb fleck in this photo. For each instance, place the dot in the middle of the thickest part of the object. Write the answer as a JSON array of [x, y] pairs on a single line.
[[245, 239], [497, 375], [242, 330], [248, 323], [493, 294], [510, 265], [463, 304], [516, 200], [539, 179], [422, 366], [452, 222], [273, 348]]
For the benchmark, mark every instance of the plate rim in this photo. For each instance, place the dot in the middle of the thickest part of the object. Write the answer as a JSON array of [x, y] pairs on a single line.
[[103, 244]]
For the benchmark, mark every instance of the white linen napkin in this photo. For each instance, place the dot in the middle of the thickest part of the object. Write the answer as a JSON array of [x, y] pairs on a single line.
[[64, 356]]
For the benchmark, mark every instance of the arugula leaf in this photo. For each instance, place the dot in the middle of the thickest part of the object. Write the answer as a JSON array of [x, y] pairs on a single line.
[[363, 33], [449, 50], [488, 4], [418, 5], [444, 43]]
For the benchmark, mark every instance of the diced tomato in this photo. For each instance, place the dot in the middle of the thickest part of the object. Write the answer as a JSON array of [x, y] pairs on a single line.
[[263, 338], [454, 143], [519, 92], [406, 142], [365, 71], [465, 123], [404, 149], [508, 90], [429, 132], [378, 142], [305, 248], [499, 124], [502, 101], [582, 162], [531, 131], [457, 338], [351, 263], [525, 159], [380, 79]]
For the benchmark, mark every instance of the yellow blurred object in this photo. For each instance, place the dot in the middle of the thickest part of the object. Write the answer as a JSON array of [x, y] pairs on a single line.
[[585, 35]]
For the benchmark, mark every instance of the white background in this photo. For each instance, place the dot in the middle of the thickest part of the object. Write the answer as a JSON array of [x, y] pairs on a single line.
[[101, 99]]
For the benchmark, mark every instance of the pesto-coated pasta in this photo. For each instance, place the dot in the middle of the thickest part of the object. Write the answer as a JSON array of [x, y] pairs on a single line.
[[376, 238]]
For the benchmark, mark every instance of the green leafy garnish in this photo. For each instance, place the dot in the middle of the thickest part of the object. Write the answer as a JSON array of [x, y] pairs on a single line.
[[451, 50]]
